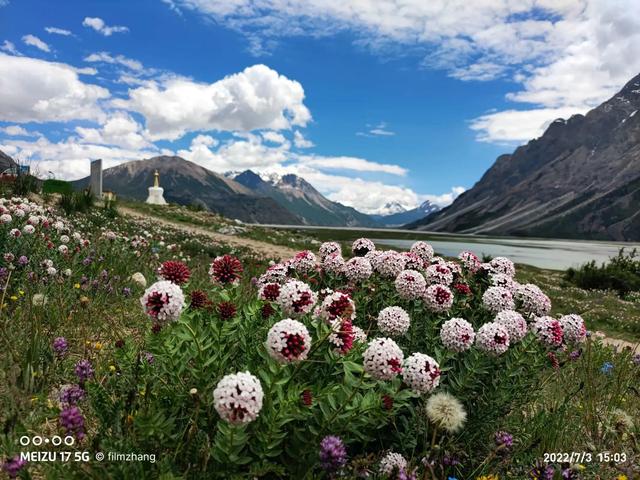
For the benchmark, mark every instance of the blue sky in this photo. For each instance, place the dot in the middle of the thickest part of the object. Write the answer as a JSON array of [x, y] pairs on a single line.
[[389, 100]]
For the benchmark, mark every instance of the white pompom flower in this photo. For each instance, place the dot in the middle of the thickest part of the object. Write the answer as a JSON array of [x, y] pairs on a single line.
[[392, 462], [457, 334], [503, 265], [358, 269], [423, 250], [383, 359], [532, 301], [446, 412], [238, 398], [393, 321], [421, 373], [296, 298], [288, 341], [163, 301], [496, 299], [515, 324], [493, 338], [548, 330], [574, 328], [410, 285], [439, 273], [438, 298]]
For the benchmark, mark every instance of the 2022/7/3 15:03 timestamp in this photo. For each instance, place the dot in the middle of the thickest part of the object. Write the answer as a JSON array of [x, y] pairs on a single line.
[[585, 457]]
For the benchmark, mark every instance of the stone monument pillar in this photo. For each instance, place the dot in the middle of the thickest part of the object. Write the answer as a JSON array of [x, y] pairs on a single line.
[[95, 183], [156, 193]]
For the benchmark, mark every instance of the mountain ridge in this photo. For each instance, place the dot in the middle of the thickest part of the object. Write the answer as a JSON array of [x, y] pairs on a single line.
[[580, 179]]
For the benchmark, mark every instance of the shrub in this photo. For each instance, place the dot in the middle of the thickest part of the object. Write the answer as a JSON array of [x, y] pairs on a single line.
[[56, 186], [77, 202], [621, 273]]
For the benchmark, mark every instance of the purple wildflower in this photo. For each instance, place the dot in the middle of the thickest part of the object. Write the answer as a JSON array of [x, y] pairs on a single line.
[[575, 355], [126, 291], [84, 370], [72, 421], [71, 394], [333, 455], [636, 359], [504, 439], [542, 472], [60, 346], [149, 357], [403, 474], [13, 466], [23, 260]]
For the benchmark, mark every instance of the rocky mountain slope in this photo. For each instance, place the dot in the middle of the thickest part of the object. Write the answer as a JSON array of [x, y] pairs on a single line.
[[402, 216], [300, 198], [6, 161], [580, 179], [186, 183]]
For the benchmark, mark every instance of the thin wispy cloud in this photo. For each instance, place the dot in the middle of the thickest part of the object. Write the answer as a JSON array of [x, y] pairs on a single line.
[[34, 41], [102, 28], [58, 31], [379, 130]]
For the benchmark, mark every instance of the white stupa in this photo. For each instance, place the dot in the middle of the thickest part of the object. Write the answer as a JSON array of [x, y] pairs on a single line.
[[156, 192]]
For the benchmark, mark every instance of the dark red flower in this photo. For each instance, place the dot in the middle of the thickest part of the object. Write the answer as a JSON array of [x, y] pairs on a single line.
[[387, 402], [346, 335], [198, 300], [174, 271], [226, 310], [553, 360], [156, 328], [119, 343], [271, 291], [295, 346], [267, 310], [226, 269], [462, 288], [307, 397]]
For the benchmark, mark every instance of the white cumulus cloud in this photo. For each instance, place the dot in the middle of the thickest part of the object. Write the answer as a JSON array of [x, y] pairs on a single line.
[[119, 130], [256, 98], [33, 90]]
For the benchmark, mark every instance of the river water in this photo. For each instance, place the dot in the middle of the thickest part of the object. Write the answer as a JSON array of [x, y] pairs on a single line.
[[544, 253]]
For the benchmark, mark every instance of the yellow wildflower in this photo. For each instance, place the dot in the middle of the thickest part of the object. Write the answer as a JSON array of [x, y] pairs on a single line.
[[77, 285], [98, 346], [21, 292], [112, 368], [488, 477], [622, 477], [13, 297]]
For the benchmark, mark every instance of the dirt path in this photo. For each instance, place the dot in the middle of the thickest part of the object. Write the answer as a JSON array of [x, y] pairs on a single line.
[[264, 249], [621, 344]]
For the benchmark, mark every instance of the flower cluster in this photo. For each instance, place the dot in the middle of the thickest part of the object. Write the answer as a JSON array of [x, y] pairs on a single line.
[[296, 298], [303, 262], [457, 334], [383, 359], [277, 273], [391, 463], [72, 421], [548, 330], [439, 274], [504, 281], [503, 265], [470, 261], [71, 394], [335, 305], [421, 373], [410, 284], [269, 291], [288, 341], [438, 298], [362, 246], [163, 301], [422, 250], [515, 324], [390, 263], [358, 269], [393, 321], [174, 271], [493, 338], [532, 300], [496, 299], [334, 264], [225, 270], [238, 398], [84, 370], [573, 328], [343, 335], [333, 454], [329, 248]]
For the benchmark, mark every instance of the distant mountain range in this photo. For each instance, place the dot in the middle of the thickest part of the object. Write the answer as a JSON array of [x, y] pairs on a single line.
[[187, 183], [580, 179], [297, 196], [402, 216]]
